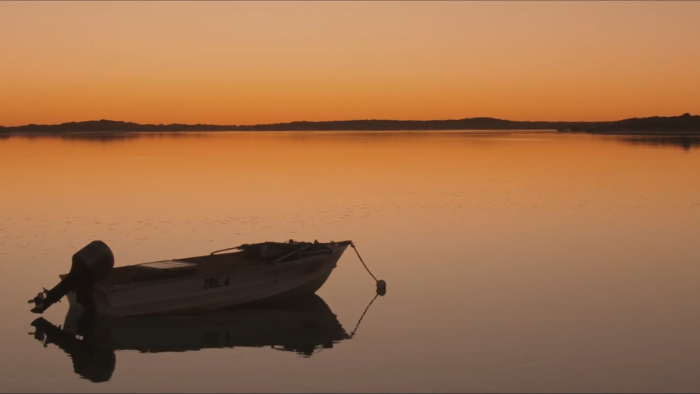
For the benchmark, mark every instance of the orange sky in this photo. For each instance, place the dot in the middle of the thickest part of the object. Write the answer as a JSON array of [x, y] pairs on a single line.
[[265, 62]]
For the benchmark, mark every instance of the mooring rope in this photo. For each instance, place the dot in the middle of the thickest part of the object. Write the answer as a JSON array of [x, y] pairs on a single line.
[[363, 263], [352, 334]]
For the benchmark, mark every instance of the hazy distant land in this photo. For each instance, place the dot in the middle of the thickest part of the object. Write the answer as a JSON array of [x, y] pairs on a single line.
[[686, 123]]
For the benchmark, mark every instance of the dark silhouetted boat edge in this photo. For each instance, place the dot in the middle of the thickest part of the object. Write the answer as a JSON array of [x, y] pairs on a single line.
[[245, 274]]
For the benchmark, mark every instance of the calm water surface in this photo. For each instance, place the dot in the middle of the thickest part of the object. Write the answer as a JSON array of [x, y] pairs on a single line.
[[519, 261]]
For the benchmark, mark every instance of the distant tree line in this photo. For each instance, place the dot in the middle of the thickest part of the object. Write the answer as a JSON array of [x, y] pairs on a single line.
[[683, 123]]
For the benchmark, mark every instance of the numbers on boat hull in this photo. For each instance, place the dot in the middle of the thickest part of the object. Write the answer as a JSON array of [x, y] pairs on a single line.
[[215, 283]]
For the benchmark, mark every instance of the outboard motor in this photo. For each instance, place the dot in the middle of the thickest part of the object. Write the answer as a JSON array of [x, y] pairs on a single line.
[[90, 265]]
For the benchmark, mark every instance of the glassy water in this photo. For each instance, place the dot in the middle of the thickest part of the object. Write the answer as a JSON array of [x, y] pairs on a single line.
[[515, 261]]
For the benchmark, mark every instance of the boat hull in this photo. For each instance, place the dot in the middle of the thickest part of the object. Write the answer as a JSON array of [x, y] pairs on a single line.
[[263, 283]]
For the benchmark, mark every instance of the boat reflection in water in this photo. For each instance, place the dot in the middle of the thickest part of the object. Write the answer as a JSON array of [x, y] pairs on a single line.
[[302, 325]]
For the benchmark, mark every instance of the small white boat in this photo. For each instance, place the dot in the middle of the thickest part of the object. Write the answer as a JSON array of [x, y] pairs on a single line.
[[245, 274]]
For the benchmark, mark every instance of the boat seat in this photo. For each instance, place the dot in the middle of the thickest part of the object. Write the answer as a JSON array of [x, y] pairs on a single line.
[[165, 269]]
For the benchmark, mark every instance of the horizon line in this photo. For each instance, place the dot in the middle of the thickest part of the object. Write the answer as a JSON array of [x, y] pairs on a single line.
[[345, 120]]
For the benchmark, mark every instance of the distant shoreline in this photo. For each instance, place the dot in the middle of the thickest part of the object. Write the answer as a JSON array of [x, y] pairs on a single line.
[[105, 133], [685, 124]]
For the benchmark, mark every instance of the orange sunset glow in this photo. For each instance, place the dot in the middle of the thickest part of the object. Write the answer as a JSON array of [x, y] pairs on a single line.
[[267, 62], [350, 196]]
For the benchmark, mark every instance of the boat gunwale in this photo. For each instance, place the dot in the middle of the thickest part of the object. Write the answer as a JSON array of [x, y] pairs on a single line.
[[119, 287], [262, 266]]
